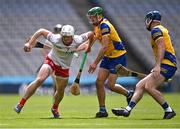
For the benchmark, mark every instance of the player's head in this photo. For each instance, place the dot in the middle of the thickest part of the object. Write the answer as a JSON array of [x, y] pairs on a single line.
[[57, 29], [95, 15], [151, 17], [67, 33]]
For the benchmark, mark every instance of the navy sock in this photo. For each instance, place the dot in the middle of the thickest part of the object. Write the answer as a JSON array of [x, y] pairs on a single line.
[[102, 109], [132, 104], [165, 105]]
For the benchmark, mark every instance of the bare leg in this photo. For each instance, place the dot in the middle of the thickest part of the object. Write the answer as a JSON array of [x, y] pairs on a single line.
[[116, 87], [139, 91], [151, 86], [54, 83], [102, 76], [61, 84], [138, 94], [42, 75]]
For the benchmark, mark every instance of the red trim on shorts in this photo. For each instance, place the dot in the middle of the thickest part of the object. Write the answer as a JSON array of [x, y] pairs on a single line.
[[56, 69]]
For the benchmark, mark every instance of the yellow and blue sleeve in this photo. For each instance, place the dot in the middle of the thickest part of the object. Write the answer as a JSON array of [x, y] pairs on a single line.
[[156, 33], [105, 29]]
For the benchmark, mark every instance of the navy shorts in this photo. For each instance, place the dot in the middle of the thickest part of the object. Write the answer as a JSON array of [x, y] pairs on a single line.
[[110, 63], [168, 71]]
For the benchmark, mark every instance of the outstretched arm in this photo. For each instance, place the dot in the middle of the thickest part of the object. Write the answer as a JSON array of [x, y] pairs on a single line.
[[39, 44], [32, 42], [92, 39], [83, 46], [88, 40]]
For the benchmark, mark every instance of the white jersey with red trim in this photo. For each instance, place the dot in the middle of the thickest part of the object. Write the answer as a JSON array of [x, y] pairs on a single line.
[[61, 54]]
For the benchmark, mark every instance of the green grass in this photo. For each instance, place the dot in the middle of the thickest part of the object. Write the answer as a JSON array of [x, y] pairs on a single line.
[[79, 112]]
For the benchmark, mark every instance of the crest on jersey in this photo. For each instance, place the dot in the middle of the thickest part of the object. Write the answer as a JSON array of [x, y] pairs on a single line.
[[164, 70]]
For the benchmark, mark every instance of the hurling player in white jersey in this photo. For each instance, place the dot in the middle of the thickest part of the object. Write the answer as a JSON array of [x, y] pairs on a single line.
[[57, 61], [45, 50]]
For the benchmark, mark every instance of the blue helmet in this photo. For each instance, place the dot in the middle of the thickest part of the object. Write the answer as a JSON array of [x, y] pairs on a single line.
[[150, 17]]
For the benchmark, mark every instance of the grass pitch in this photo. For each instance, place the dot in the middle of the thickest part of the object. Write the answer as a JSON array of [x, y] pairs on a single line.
[[79, 112]]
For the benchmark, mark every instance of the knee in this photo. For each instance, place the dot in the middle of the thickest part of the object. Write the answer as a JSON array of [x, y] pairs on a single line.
[[148, 88], [140, 87], [99, 83]]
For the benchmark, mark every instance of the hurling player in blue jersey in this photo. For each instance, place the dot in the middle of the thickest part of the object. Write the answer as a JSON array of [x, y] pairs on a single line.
[[164, 69]]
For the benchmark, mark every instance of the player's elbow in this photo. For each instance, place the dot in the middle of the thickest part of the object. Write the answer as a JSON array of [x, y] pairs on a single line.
[[42, 32], [90, 36]]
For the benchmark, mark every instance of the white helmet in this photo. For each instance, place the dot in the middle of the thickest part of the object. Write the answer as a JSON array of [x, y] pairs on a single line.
[[67, 30]]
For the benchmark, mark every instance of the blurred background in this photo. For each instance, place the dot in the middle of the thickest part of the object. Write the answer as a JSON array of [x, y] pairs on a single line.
[[21, 18]]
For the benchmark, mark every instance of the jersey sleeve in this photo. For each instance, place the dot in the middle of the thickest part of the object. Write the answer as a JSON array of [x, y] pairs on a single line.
[[79, 39], [156, 33], [84, 37], [53, 38], [49, 44], [105, 29]]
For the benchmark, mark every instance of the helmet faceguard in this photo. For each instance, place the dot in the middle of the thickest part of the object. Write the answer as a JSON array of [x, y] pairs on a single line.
[[67, 33], [150, 17], [95, 15], [57, 29]]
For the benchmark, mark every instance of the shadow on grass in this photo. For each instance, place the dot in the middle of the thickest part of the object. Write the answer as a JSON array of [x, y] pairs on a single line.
[[78, 118], [151, 119], [81, 118]]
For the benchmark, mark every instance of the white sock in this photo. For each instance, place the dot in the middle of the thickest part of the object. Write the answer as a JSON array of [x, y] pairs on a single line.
[[128, 108], [169, 109]]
